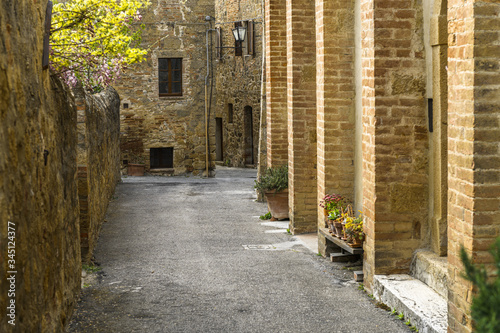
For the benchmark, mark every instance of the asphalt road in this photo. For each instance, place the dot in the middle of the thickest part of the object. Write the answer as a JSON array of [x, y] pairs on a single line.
[[186, 254]]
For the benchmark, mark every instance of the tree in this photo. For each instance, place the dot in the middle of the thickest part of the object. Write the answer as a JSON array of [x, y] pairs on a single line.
[[93, 41], [485, 308]]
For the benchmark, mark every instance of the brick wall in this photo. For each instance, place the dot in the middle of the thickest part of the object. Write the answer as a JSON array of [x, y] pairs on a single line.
[[474, 141], [301, 104], [395, 138], [335, 98], [276, 83]]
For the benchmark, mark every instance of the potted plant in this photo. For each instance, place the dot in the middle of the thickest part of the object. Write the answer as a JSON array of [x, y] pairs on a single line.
[[273, 184], [354, 230], [334, 217], [136, 167], [332, 205]]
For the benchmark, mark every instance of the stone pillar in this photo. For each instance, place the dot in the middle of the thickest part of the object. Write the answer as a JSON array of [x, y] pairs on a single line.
[[439, 43], [335, 98], [301, 102], [276, 107], [395, 138], [473, 145]]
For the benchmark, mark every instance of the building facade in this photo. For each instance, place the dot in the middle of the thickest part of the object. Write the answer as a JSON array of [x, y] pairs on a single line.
[[395, 106], [165, 99], [238, 82]]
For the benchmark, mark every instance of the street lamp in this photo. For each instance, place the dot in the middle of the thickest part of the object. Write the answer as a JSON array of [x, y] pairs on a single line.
[[239, 33]]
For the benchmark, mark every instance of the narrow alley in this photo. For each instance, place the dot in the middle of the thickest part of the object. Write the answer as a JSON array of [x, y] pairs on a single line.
[[186, 254]]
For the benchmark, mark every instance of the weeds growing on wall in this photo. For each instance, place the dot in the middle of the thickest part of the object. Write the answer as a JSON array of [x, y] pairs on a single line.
[[485, 309]]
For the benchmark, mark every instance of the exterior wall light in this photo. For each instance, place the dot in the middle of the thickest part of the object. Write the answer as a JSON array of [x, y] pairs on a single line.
[[239, 33]]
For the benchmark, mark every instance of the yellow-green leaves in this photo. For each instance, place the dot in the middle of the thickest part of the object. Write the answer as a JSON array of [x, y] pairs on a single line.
[[93, 40]]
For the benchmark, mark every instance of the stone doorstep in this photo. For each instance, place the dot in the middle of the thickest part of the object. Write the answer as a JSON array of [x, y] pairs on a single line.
[[426, 309], [432, 270]]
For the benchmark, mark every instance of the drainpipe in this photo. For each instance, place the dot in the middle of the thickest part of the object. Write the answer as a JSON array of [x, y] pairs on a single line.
[[208, 18], [263, 116], [206, 102]]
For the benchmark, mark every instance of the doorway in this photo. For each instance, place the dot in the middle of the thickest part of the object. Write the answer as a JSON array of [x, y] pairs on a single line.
[[219, 156], [248, 153]]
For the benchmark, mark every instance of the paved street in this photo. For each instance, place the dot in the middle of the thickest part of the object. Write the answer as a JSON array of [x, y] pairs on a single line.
[[186, 254]]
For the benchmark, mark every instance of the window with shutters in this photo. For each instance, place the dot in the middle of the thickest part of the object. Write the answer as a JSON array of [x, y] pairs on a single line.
[[160, 158], [170, 76]]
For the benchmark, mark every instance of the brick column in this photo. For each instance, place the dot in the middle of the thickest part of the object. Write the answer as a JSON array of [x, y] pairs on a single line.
[[395, 138], [301, 87], [335, 98], [276, 108], [473, 145]]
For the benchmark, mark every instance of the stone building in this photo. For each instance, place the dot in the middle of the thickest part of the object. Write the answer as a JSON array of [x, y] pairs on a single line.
[[164, 99], [194, 69], [395, 105], [238, 82]]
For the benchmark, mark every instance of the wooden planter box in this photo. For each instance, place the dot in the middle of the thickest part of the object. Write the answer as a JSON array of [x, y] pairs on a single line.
[[135, 169]]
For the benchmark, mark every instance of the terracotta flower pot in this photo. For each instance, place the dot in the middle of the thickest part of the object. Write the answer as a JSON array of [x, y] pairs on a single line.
[[339, 228], [356, 241], [277, 204]]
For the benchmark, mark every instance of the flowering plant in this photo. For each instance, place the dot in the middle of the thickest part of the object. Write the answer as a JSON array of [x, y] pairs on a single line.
[[93, 41], [334, 214], [354, 226], [332, 201]]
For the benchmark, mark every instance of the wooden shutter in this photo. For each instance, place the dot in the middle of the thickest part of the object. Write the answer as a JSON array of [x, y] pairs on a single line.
[[218, 43], [250, 38], [46, 38]]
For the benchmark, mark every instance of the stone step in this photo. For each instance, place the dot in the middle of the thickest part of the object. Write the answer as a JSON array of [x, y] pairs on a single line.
[[425, 308], [431, 270]]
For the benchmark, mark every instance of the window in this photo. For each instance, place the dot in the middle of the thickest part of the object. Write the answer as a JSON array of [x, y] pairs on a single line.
[[170, 76], [161, 158]]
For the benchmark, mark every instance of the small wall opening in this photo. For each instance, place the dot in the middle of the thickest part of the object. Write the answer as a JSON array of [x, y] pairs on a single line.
[[230, 113], [219, 155], [161, 158]]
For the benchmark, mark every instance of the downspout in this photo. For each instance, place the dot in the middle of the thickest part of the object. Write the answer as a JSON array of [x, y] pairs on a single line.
[[206, 104], [263, 115]]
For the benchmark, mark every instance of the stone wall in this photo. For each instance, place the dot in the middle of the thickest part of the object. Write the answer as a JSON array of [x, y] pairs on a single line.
[[238, 83], [40, 145], [98, 161], [173, 29], [38, 189]]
